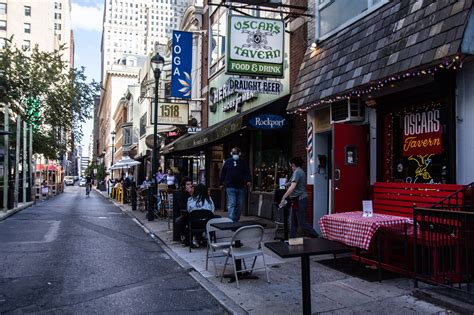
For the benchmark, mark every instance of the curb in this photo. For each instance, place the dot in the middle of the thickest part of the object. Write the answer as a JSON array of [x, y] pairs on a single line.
[[444, 301], [227, 303], [15, 210]]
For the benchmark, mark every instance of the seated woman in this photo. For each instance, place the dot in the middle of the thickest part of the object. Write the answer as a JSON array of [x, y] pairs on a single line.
[[200, 200]]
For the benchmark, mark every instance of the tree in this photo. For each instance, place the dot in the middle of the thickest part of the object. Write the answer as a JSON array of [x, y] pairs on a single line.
[[42, 90]]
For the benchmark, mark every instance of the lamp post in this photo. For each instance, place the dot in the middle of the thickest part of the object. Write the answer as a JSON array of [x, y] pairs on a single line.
[[157, 62], [113, 133]]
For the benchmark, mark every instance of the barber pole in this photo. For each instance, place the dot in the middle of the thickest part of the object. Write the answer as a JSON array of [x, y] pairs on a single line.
[[309, 146]]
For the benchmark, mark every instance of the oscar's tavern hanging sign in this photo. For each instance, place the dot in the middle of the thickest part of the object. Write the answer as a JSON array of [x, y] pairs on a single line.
[[255, 46]]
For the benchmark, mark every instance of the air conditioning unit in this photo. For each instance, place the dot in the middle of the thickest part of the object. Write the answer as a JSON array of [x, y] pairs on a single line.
[[347, 110]]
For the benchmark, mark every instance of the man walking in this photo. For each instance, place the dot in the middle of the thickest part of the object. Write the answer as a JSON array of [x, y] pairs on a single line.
[[235, 175]]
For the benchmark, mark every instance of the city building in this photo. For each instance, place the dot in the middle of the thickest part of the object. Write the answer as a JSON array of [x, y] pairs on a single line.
[[117, 80], [386, 93], [134, 26], [84, 165], [46, 24]]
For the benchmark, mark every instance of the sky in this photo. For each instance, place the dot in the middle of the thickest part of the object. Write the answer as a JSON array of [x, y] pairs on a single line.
[[86, 16]]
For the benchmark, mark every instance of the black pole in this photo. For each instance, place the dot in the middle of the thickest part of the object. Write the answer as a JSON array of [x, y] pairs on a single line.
[[154, 184]]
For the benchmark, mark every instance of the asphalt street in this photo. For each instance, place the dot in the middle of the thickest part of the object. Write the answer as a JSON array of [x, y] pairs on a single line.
[[83, 255]]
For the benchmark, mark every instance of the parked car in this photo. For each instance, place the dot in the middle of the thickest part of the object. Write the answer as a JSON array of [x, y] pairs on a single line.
[[69, 180], [76, 178], [82, 182]]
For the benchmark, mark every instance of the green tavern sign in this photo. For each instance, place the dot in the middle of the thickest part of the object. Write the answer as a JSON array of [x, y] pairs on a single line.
[[255, 46]]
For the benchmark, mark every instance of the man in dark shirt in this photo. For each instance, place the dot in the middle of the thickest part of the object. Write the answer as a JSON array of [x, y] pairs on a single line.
[[235, 175]]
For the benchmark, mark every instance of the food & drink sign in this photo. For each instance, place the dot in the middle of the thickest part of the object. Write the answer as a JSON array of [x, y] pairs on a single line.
[[255, 46], [173, 113], [422, 133]]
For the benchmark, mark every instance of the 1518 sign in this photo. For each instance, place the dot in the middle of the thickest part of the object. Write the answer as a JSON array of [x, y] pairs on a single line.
[[173, 113]]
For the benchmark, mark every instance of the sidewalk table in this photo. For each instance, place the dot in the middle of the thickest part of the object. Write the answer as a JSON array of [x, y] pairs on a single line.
[[352, 229], [234, 226], [310, 247]]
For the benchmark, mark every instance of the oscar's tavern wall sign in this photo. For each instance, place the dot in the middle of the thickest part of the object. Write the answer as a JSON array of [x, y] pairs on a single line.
[[255, 46]]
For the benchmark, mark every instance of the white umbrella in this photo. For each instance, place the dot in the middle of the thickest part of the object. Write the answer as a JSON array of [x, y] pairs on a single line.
[[125, 162]]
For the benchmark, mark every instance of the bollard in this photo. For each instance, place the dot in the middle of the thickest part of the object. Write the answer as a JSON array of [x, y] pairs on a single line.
[[134, 197]]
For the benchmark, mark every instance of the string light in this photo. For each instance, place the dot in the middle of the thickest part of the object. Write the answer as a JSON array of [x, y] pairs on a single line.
[[455, 63]]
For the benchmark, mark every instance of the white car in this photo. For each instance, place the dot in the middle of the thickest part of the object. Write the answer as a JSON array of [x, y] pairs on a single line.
[[69, 180], [82, 182]]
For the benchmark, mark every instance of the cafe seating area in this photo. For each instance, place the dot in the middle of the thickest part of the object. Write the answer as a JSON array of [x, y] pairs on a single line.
[[283, 272]]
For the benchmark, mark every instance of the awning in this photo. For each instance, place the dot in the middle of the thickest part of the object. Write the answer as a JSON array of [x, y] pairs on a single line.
[[224, 128], [398, 37]]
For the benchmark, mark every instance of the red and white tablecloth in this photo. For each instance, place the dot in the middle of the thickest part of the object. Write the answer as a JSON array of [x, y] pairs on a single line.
[[352, 229]]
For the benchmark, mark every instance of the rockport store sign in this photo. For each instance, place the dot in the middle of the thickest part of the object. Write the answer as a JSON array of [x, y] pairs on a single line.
[[255, 46]]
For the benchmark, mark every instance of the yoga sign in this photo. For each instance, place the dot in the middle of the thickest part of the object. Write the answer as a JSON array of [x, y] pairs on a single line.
[[181, 83], [422, 133]]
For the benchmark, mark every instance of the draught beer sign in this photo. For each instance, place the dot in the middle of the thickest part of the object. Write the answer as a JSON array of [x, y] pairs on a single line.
[[422, 133]]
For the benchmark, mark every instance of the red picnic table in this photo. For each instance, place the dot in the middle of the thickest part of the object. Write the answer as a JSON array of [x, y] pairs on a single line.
[[352, 229]]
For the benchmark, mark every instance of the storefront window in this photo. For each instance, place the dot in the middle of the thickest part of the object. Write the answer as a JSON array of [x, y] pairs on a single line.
[[270, 159], [415, 141]]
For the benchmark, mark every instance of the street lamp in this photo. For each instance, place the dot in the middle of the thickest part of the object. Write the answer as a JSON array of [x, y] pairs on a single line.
[[113, 133], [157, 62]]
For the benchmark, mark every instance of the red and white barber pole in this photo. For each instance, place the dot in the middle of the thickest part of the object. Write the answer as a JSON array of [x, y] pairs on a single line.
[[309, 146]]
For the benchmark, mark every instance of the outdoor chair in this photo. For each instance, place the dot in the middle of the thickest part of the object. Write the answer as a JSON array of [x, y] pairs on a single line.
[[197, 223], [252, 234], [212, 244]]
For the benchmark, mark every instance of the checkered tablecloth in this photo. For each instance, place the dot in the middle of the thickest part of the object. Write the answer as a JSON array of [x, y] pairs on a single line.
[[354, 230]]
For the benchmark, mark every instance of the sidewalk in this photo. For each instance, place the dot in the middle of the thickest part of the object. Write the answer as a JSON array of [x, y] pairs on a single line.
[[333, 291], [9, 212]]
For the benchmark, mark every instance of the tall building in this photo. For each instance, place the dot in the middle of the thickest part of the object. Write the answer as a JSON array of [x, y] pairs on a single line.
[[133, 27], [45, 23]]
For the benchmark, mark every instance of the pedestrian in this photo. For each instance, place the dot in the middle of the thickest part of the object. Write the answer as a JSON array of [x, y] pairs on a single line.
[[171, 179], [298, 199], [235, 175], [88, 184], [159, 177]]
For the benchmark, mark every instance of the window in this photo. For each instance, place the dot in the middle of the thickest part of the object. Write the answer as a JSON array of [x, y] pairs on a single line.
[[26, 45], [3, 25], [27, 27], [27, 10], [217, 44], [57, 16], [3, 8], [57, 26], [3, 41], [332, 16], [143, 125], [59, 37], [58, 5]]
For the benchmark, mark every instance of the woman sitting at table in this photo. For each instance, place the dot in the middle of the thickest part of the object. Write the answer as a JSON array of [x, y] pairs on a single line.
[[200, 200], [298, 199]]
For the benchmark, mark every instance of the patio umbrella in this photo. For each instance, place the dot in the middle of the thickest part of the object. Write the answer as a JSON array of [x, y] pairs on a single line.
[[125, 162]]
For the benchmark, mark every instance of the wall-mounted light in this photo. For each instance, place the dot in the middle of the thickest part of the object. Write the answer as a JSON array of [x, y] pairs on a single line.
[[314, 45]]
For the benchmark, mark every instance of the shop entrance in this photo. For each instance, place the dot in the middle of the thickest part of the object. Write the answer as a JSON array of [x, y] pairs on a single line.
[[350, 158], [322, 174]]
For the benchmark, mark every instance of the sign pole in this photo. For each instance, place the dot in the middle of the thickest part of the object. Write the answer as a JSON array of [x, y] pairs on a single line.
[[17, 160], [25, 157], [6, 159]]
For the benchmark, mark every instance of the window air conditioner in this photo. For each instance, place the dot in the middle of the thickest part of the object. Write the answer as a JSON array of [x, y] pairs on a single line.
[[347, 110]]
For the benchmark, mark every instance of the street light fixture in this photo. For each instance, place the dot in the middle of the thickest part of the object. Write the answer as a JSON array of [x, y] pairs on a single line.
[[113, 133], [157, 62]]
